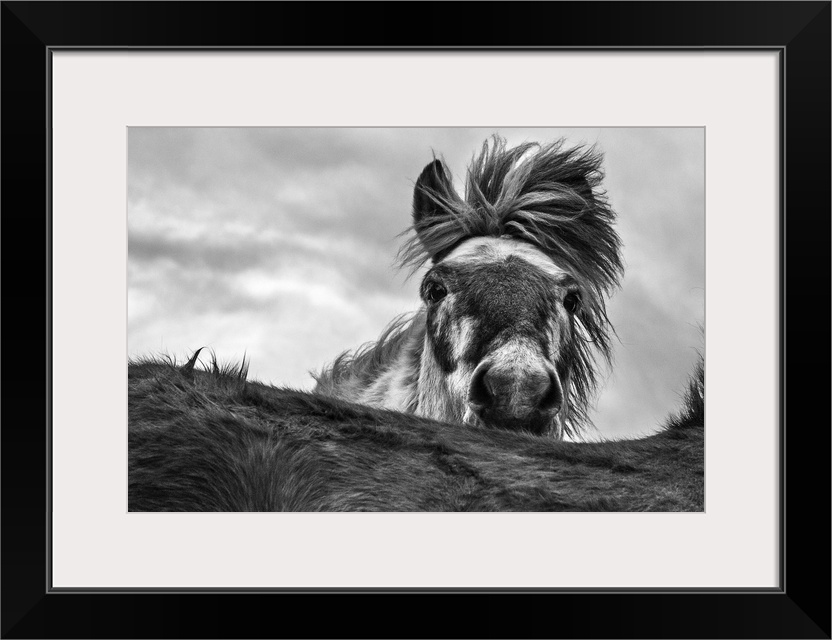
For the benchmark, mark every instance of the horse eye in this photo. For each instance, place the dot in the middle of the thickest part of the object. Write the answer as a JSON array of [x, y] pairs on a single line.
[[572, 302], [434, 292]]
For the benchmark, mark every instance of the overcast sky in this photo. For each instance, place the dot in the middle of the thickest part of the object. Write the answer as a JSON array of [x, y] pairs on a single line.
[[280, 243]]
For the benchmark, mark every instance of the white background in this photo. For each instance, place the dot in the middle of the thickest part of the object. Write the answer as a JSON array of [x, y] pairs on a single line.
[[96, 96]]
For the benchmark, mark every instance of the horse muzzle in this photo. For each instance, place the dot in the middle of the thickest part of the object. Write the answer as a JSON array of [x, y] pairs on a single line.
[[517, 395]]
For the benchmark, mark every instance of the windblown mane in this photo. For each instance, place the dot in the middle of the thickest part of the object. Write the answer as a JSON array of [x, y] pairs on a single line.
[[361, 366], [549, 196]]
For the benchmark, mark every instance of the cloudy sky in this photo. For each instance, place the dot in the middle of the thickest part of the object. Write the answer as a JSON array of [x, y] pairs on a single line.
[[280, 244]]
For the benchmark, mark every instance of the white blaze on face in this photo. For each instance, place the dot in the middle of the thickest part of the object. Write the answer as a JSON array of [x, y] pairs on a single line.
[[495, 249]]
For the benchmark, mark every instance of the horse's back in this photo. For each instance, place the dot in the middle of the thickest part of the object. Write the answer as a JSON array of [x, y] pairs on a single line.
[[202, 441]]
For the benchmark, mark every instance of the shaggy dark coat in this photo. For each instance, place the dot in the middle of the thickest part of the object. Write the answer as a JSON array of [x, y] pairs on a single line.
[[211, 441]]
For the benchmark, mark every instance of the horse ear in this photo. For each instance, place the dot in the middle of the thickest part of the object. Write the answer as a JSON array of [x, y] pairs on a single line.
[[433, 184]]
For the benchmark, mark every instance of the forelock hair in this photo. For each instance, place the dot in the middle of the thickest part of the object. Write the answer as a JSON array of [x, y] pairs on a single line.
[[549, 196]]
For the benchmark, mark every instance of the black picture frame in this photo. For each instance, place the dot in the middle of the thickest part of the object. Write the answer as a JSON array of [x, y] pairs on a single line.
[[799, 31]]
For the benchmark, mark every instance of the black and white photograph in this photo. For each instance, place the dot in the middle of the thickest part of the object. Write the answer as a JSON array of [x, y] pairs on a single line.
[[416, 319], [382, 302]]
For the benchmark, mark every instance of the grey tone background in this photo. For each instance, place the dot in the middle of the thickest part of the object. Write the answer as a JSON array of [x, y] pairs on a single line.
[[280, 244]]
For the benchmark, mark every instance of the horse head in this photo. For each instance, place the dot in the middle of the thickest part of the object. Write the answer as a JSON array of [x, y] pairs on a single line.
[[513, 300]]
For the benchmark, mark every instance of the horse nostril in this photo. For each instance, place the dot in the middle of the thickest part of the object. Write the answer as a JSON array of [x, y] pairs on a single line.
[[479, 392], [552, 397]]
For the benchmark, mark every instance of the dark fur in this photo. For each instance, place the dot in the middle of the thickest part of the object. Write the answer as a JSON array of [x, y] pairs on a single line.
[[211, 441]]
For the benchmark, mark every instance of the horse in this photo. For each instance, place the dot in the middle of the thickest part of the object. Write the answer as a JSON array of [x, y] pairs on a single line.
[[512, 321]]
